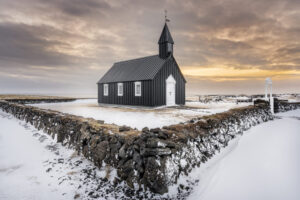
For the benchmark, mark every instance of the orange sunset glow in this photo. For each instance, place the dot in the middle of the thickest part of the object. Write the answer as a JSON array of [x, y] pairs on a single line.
[[225, 73]]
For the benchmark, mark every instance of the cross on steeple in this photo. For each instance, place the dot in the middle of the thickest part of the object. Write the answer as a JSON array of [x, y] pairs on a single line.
[[166, 16]]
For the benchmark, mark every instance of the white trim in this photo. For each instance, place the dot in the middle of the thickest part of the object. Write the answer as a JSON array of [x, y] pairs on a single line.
[[170, 84], [170, 79], [105, 89], [137, 92], [120, 89]]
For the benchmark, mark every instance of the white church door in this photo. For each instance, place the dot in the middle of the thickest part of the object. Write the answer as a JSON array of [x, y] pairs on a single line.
[[170, 91]]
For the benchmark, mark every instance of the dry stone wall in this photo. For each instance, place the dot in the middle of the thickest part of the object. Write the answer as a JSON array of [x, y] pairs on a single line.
[[42, 100], [149, 159], [279, 105], [283, 106]]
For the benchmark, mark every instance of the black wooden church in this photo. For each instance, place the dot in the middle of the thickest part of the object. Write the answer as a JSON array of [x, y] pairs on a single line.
[[148, 81]]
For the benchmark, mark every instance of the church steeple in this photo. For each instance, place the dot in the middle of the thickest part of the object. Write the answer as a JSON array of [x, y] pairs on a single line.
[[165, 42]]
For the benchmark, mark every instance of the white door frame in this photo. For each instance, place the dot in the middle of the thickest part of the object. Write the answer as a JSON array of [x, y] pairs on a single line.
[[170, 80]]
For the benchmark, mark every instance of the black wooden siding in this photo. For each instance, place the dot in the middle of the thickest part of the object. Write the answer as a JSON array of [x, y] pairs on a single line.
[[153, 91], [163, 50], [128, 97], [159, 83]]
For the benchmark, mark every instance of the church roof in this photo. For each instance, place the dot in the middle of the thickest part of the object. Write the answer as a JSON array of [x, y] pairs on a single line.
[[134, 70], [165, 36]]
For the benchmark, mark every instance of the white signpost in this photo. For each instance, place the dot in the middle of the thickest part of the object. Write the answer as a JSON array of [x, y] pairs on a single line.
[[268, 88]]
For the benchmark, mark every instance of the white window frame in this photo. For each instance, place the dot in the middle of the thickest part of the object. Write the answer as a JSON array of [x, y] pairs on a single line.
[[120, 89], [136, 84], [105, 89]]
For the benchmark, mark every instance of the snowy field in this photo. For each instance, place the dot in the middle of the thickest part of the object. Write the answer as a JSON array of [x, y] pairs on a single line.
[[139, 117], [22, 157], [262, 164], [34, 167], [290, 97]]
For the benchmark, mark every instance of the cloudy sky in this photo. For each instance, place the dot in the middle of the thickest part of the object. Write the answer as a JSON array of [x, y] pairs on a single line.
[[63, 47]]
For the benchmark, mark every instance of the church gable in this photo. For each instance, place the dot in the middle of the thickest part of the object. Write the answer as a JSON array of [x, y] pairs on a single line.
[[142, 81]]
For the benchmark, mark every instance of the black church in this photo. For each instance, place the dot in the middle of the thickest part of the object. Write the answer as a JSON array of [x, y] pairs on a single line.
[[148, 81]]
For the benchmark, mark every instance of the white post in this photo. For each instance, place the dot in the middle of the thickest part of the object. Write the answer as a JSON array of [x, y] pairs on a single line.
[[271, 90], [272, 105], [271, 100], [266, 91]]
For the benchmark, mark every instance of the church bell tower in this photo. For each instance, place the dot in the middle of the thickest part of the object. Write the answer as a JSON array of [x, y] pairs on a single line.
[[165, 42]]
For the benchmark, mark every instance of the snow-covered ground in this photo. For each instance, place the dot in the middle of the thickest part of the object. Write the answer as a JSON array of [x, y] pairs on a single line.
[[290, 97], [22, 174], [139, 117], [262, 164], [34, 167]]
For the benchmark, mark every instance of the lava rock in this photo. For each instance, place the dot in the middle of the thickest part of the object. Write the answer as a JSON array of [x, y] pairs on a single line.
[[124, 128], [155, 151]]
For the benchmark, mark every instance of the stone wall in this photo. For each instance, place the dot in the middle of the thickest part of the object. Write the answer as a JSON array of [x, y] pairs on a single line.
[[283, 106], [149, 159], [42, 100], [279, 105]]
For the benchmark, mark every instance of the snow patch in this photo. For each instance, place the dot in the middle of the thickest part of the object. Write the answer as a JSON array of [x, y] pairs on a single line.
[[139, 117]]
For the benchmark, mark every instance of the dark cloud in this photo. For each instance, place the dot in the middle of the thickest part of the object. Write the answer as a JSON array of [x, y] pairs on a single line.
[[63, 39], [78, 8], [31, 46]]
